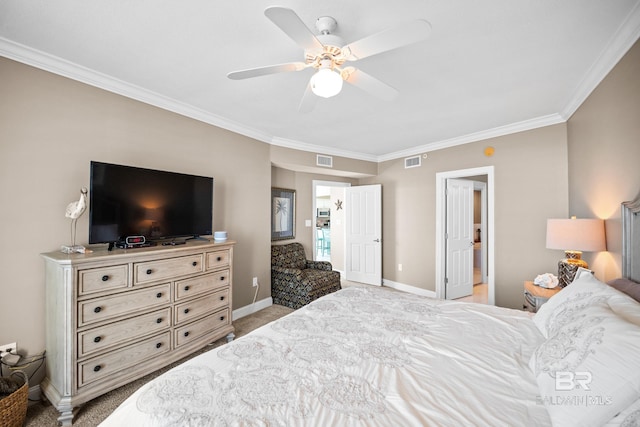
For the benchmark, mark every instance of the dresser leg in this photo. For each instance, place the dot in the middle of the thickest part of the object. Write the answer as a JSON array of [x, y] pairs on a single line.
[[62, 403], [67, 413], [230, 337]]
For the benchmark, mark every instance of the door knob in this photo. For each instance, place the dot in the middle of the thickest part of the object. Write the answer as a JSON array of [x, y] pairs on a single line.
[[377, 240]]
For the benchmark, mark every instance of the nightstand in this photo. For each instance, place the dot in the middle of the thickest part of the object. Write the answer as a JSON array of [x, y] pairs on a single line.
[[535, 296]]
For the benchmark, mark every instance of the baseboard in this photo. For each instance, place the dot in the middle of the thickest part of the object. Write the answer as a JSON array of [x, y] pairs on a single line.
[[252, 308], [408, 288]]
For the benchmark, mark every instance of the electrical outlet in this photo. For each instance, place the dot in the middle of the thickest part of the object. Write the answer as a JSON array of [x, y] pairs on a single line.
[[399, 267], [255, 282], [8, 348]]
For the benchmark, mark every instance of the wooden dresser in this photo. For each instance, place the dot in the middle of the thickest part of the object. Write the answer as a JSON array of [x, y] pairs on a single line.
[[112, 317]]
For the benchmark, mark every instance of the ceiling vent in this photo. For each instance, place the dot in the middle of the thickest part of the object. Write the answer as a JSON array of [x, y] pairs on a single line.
[[412, 162], [324, 161]]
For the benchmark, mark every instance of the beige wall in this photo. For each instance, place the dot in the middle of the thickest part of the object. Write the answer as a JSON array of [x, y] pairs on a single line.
[[305, 161], [604, 156], [52, 127], [530, 186], [477, 207]]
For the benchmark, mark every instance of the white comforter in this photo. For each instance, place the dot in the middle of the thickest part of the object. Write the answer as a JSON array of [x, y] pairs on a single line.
[[358, 357]]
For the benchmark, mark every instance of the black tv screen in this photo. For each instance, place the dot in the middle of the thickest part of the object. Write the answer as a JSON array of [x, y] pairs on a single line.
[[129, 201]]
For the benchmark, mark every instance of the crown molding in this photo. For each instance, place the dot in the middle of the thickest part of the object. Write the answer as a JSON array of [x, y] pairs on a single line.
[[320, 149], [62, 67], [624, 38], [522, 126]]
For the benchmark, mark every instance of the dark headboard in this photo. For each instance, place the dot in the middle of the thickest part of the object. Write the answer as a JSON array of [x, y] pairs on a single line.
[[631, 240]]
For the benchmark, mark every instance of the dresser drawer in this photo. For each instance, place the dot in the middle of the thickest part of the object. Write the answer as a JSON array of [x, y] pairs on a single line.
[[195, 330], [198, 285], [115, 333], [153, 271], [102, 279], [111, 362], [130, 302], [217, 259], [202, 306]]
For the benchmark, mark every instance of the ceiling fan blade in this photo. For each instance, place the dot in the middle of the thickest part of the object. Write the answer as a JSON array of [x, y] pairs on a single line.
[[309, 100], [370, 84], [392, 38], [269, 69], [289, 22]]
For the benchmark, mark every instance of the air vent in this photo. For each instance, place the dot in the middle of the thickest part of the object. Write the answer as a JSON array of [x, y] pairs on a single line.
[[412, 162], [325, 161]]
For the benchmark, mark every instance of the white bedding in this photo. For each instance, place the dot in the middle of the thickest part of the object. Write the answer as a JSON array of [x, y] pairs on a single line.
[[360, 356]]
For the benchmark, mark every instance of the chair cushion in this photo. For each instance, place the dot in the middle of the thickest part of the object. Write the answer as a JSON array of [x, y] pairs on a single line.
[[290, 255]]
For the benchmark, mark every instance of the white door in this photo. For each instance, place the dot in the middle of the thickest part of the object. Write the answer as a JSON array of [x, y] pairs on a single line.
[[363, 213], [459, 239]]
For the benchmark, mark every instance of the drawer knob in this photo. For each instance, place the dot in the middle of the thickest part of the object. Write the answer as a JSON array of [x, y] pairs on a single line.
[[194, 263], [221, 277], [159, 320], [159, 295], [149, 271], [159, 345], [97, 339], [219, 259], [186, 288], [105, 278], [186, 334], [96, 368], [221, 298], [221, 317], [186, 311], [97, 309]]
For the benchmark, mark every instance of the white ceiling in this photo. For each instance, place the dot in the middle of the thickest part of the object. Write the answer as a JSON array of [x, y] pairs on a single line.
[[489, 67]]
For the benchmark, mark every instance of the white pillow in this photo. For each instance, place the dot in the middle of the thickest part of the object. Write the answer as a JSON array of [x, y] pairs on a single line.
[[571, 301], [588, 369]]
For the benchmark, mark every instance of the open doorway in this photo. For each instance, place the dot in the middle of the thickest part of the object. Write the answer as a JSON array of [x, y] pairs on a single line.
[[484, 181], [480, 286], [479, 230], [328, 226]]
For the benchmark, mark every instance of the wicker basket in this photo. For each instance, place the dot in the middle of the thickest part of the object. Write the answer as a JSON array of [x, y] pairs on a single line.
[[13, 408]]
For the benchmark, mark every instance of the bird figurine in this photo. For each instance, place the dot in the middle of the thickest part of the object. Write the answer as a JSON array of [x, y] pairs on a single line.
[[74, 211]]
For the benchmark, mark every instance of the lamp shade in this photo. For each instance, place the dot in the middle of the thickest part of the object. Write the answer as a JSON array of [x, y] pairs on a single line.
[[576, 234]]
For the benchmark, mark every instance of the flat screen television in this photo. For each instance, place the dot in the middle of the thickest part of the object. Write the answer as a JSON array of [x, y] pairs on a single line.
[[128, 201]]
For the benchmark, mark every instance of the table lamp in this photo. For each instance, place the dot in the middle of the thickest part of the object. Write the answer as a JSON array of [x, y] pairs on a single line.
[[574, 236]]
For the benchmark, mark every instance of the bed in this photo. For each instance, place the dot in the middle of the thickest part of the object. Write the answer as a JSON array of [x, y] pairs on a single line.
[[368, 356]]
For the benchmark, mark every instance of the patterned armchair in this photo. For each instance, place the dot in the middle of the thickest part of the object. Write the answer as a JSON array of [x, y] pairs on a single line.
[[295, 280]]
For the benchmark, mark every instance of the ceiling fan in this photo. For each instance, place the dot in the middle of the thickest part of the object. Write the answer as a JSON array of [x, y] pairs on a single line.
[[327, 54]]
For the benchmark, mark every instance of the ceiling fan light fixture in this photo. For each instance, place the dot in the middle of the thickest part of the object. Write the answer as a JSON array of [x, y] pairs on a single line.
[[326, 83], [327, 53]]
